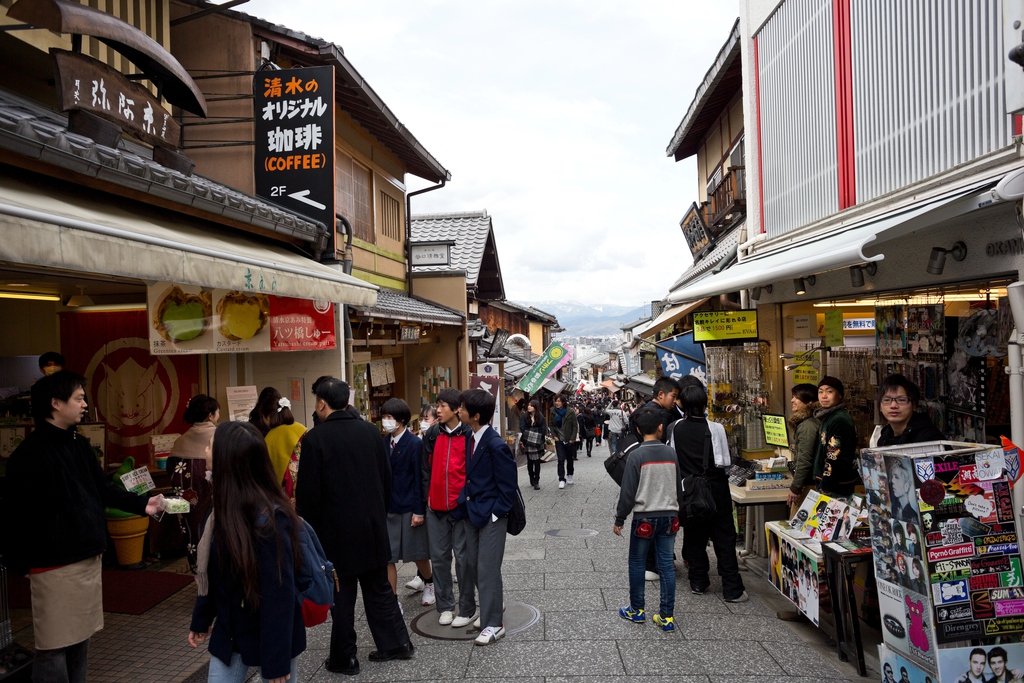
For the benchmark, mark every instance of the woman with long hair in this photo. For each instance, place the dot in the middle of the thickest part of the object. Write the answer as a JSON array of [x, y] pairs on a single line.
[[533, 428], [588, 428], [254, 414], [189, 461], [247, 563], [282, 431]]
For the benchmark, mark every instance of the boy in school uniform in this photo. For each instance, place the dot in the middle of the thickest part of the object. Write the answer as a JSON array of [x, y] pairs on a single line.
[[490, 489], [651, 491]]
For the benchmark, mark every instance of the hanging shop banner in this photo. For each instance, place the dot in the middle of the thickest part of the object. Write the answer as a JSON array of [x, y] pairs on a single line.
[[806, 372], [712, 326], [553, 358], [294, 121], [890, 330], [681, 356], [775, 433], [136, 395], [492, 385], [834, 327], [186, 319]]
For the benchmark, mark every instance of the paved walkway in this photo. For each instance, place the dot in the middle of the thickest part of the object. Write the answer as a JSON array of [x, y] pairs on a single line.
[[578, 584]]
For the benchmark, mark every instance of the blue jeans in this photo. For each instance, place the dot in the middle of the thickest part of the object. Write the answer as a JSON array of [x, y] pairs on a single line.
[[236, 672], [564, 451], [63, 665], [613, 441], [663, 538]]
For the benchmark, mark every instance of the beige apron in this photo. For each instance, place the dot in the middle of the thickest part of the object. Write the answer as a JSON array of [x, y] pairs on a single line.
[[67, 604]]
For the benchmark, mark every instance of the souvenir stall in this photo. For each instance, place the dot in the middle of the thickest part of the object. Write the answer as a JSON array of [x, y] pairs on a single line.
[[947, 559]]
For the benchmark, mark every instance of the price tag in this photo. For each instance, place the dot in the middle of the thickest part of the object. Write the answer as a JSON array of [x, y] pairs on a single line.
[[138, 481]]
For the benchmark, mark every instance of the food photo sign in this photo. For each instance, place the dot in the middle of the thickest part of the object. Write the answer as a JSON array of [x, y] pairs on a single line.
[[187, 319]]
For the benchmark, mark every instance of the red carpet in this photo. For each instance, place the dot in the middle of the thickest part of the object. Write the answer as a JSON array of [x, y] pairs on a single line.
[[124, 592]]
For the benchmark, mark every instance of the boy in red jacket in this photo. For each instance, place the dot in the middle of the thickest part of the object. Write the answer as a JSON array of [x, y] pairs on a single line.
[[444, 476]]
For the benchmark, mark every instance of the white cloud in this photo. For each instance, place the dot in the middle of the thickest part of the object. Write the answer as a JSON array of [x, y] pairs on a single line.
[[553, 116]]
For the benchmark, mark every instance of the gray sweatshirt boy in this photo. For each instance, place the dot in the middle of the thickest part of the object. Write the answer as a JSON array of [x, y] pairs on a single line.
[[651, 485]]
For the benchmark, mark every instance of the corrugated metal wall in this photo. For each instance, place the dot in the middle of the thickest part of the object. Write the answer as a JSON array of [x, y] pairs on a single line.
[[798, 119], [928, 89]]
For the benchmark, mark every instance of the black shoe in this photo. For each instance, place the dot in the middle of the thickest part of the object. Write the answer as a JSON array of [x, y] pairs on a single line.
[[536, 487], [698, 591], [401, 652], [351, 669]]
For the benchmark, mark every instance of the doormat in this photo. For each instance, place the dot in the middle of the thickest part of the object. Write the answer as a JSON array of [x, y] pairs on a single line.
[[124, 592]]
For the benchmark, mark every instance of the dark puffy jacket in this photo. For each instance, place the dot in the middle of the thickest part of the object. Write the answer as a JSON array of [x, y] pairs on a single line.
[[835, 461]]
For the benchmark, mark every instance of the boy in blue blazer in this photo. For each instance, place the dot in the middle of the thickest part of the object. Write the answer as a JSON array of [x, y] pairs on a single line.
[[491, 483]]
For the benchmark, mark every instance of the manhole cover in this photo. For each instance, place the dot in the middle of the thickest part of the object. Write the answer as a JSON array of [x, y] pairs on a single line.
[[571, 533], [518, 617]]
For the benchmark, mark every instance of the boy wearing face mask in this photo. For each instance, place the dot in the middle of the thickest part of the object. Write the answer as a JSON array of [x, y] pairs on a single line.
[[406, 530]]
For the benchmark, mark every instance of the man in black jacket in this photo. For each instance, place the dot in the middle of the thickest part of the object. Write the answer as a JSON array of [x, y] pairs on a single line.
[[55, 529], [343, 492], [898, 399]]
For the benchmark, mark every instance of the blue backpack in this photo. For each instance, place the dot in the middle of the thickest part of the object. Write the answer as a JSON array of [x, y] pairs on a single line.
[[316, 580]]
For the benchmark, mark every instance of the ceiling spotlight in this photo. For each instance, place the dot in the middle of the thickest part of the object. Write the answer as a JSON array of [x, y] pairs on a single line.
[[937, 261], [802, 283], [857, 273]]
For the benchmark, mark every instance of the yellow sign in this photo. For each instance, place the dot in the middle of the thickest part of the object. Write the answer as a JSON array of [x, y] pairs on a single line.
[[834, 327], [807, 373], [724, 325], [775, 430]]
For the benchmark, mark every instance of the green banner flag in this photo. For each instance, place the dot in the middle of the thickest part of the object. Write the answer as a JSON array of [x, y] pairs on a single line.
[[554, 357]]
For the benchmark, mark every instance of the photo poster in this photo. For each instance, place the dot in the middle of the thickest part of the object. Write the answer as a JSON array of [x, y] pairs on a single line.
[[926, 329], [1004, 662], [971, 547], [898, 668], [795, 573], [890, 330], [180, 319]]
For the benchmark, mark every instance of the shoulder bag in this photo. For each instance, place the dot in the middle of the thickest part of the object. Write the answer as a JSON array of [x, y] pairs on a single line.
[[697, 501]]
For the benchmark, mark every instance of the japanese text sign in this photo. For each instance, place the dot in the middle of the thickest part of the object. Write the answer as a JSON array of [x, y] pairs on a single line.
[[138, 481], [680, 356], [554, 357], [775, 430], [293, 110], [86, 84], [724, 325], [834, 327]]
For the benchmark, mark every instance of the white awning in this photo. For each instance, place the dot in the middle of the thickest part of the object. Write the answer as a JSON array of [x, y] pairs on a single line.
[[670, 316], [99, 235], [838, 249]]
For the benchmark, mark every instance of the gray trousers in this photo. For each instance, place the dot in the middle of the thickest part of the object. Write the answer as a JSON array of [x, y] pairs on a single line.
[[63, 665], [486, 550], [444, 535]]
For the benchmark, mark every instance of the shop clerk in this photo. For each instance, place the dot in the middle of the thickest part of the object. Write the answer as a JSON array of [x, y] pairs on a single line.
[[898, 400], [56, 530]]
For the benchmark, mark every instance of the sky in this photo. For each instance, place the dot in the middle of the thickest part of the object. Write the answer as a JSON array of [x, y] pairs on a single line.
[[553, 116]]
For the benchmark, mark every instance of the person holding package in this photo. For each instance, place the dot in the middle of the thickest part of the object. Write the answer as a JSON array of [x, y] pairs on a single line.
[[55, 529], [651, 491], [803, 427], [835, 459]]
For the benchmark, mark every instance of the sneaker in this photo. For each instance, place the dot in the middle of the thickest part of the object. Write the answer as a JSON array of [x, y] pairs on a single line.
[[428, 595], [634, 615], [698, 591], [461, 622], [416, 584], [561, 484], [666, 624], [401, 610], [476, 622], [446, 618], [569, 479], [651, 576], [742, 597], [491, 634]]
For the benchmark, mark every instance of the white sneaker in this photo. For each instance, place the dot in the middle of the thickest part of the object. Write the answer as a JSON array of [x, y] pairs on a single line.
[[428, 594], [489, 635], [561, 484], [569, 478], [401, 610], [445, 619], [461, 622], [651, 576], [476, 623], [416, 584]]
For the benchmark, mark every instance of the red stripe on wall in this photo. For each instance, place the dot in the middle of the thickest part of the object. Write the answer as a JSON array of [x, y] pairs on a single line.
[[843, 59], [1018, 125], [760, 162]]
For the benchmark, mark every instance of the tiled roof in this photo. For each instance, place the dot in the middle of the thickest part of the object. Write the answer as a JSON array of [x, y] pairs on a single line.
[[471, 231], [354, 94], [28, 129], [532, 311], [400, 306], [711, 259], [633, 324]]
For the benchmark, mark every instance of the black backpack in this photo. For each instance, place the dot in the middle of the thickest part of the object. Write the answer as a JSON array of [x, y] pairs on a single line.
[[517, 515], [615, 464], [697, 499]]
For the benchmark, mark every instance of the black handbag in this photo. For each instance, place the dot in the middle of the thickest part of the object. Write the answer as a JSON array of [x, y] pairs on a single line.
[[517, 515], [697, 499], [615, 464]]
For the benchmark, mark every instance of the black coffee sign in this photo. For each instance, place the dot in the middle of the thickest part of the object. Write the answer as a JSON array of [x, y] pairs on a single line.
[[293, 111]]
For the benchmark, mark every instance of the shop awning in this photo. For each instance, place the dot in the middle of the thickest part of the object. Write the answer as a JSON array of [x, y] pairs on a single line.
[[638, 387], [670, 316], [81, 234], [392, 305], [839, 248], [554, 386], [610, 386]]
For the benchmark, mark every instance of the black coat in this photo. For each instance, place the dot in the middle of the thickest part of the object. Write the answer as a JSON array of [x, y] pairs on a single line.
[[344, 490], [53, 505], [919, 429]]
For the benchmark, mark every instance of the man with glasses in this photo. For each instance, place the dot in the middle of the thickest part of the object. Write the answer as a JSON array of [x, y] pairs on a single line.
[[898, 400]]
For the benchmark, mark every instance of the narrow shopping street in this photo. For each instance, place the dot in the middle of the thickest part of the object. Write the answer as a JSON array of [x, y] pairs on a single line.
[[577, 584]]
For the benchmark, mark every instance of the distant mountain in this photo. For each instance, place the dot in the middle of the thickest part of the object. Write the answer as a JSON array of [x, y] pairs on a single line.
[[590, 320]]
